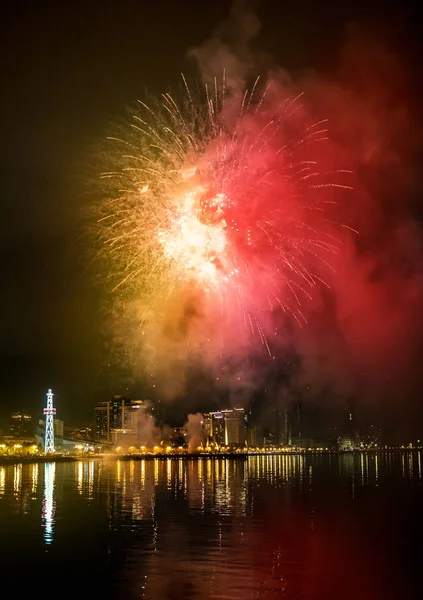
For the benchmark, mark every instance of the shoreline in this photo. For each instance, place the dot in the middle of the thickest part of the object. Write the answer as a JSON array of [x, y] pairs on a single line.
[[14, 460]]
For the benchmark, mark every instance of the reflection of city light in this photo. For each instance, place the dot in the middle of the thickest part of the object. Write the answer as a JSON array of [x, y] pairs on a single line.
[[410, 465], [34, 478], [48, 502], [124, 477], [362, 468], [208, 472], [156, 472], [142, 474], [17, 479], [2, 480], [169, 473], [181, 479], [80, 477], [90, 479]]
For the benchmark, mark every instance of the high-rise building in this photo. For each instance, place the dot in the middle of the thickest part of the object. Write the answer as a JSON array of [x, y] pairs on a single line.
[[102, 421], [208, 427], [235, 427], [131, 413], [214, 427], [119, 407], [21, 424], [120, 413], [226, 427]]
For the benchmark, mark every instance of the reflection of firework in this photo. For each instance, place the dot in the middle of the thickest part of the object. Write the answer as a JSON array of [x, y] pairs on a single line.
[[226, 200]]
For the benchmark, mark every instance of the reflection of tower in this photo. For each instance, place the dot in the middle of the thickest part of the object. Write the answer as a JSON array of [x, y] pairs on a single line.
[[49, 412], [48, 502]]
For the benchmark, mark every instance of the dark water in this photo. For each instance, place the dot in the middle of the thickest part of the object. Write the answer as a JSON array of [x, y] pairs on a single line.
[[328, 527]]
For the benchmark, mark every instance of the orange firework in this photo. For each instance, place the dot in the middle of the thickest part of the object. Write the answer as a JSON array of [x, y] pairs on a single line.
[[229, 197]]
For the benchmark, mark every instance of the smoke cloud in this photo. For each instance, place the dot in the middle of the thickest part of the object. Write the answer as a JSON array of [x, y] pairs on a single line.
[[362, 332], [195, 432]]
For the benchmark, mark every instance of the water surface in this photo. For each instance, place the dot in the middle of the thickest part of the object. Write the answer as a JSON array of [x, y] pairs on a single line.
[[269, 527]]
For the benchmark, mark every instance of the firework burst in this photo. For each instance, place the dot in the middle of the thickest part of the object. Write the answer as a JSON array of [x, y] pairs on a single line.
[[226, 199]]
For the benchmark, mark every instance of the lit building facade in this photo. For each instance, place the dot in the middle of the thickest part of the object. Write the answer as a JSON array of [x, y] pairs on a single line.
[[102, 421], [119, 414], [226, 427], [21, 425]]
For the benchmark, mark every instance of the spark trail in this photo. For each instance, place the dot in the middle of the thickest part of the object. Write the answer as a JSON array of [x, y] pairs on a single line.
[[225, 204]]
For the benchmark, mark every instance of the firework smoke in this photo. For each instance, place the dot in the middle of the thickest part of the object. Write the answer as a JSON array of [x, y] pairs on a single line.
[[218, 217], [362, 332], [195, 432]]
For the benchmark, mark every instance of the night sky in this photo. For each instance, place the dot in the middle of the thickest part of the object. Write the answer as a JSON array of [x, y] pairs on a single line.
[[68, 71]]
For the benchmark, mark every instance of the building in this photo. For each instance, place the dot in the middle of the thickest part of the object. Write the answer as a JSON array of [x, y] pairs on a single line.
[[58, 427], [78, 433], [102, 421], [119, 414], [124, 438], [131, 414], [21, 425], [252, 438], [214, 428], [208, 427], [226, 427], [235, 427]]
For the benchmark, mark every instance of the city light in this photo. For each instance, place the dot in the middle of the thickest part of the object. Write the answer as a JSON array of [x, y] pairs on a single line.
[[129, 430]]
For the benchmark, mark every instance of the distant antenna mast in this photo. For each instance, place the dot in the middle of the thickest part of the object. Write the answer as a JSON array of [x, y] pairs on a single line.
[[49, 412]]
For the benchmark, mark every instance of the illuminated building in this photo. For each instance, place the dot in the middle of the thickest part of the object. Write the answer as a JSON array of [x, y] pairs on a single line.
[[79, 433], [21, 424], [226, 427], [118, 406], [217, 427], [235, 429], [116, 417], [102, 421], [122, 410], [208, 427], [131, 413], [124, 437]]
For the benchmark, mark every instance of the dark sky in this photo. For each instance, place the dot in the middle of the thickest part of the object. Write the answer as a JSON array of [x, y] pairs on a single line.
[[68, 71]]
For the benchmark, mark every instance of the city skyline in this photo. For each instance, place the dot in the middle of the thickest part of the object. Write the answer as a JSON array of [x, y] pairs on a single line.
[[121, 423]]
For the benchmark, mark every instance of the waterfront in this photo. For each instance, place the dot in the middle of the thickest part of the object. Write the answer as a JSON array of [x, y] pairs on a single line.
[[275, 526]]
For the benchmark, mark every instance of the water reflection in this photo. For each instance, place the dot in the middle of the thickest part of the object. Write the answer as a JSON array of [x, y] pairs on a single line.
[[17, 479], [2, 480], [278, 526], [34, 478], [48, 505]]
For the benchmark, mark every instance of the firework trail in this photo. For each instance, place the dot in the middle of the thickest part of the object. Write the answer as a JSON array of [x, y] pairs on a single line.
[[219, 211]]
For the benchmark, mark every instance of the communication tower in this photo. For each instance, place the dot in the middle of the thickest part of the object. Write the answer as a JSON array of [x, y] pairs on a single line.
[[49, 412]]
